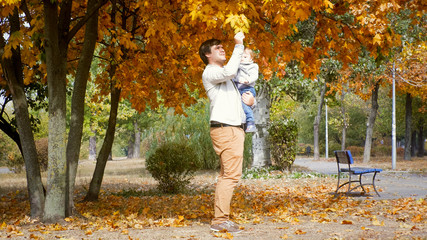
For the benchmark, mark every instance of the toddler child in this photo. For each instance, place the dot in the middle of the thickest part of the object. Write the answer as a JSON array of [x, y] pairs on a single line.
[[245, 81]]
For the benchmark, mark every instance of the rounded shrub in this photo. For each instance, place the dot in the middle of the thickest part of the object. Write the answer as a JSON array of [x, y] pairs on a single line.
[[283, 134], [172, 164]]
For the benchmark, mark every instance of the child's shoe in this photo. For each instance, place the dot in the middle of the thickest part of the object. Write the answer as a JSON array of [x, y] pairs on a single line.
[[250, 127]]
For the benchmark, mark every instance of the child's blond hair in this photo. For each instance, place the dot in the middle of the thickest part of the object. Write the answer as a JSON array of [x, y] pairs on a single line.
[[251, 53]]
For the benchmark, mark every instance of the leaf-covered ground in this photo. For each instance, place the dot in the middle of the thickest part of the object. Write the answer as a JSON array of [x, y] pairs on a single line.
[[303, 208]]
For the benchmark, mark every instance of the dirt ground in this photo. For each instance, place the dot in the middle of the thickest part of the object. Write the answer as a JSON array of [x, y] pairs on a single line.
[[281, 208]]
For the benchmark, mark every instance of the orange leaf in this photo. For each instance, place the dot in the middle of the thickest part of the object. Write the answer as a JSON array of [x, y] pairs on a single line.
[[346, 222]]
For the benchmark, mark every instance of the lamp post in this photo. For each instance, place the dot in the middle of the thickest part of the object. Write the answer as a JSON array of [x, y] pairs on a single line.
[[393, 124], [326, 130]]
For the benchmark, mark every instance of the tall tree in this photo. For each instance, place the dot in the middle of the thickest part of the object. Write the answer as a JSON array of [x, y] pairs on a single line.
[[11, 63], [316, 123], [371, 123], [77, 103]]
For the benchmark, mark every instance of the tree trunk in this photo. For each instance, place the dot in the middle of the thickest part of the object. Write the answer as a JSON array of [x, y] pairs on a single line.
[[317, 123], [413, 143], [408, 130], [77, 103], [260, 144], [12, 69], [421, 139], [371, 123], [56, 60], [92, 146], [131, 145], [137, 142], [5, 126], [344, 121], [95, 184]]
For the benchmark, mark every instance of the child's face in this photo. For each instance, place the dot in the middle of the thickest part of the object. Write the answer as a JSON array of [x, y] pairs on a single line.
[[246, 57]]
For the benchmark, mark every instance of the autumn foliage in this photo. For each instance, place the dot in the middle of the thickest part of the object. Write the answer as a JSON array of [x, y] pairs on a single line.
[[154, 45], [291, 205]]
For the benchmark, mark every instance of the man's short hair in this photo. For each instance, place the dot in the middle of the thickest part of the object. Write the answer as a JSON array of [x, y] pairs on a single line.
[[205, 48]]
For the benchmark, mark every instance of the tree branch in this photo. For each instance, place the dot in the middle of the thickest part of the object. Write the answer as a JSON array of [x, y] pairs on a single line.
[[82, 22], [24, 8]]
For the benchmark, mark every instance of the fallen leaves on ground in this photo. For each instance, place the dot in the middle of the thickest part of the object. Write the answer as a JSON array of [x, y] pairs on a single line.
[[291, 201]]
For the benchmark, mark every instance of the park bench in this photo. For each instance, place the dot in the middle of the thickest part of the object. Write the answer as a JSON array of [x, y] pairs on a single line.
[[345, 158]]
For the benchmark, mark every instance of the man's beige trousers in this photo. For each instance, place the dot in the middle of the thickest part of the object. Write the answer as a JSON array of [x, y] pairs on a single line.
[[228, 143]]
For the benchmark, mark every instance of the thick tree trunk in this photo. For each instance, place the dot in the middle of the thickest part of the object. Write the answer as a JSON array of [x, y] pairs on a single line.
[[344, 122], [260, 144], [12, 69], [371, 123], [317, 123], [137, 142], [95, 184], [56, 59], [408, 130], [77, 103]]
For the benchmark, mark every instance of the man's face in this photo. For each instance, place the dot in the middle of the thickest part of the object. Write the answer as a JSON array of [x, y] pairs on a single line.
[[217, 55]]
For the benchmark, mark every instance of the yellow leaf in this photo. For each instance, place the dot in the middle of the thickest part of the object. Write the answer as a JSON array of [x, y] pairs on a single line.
[[300, 232], [377, 39], [3, 225], [377, 223], [328, 4]]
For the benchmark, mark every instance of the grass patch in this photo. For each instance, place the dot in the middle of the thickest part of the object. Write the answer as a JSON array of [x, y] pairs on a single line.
[[273, 172]]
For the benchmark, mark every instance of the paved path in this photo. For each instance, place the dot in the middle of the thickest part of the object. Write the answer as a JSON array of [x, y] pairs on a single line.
[[395, 184], [4, 170]]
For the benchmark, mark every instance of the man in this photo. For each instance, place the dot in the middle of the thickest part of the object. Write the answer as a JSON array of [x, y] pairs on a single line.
[[226, 120]]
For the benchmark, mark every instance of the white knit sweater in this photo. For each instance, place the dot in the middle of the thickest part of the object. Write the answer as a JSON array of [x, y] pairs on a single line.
[[225, 99]]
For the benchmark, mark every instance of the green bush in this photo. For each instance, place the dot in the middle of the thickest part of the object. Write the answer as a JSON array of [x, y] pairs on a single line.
[[172, 164], [283, 136]]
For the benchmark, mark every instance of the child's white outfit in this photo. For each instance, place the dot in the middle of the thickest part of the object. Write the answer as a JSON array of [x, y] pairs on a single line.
[[248, 71]]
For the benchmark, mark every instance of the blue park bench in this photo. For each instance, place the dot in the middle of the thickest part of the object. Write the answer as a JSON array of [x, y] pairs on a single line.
[[345, 158]]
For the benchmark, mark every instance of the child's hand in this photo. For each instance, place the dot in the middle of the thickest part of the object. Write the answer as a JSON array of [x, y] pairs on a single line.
[[243, 81], [238, 38]]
